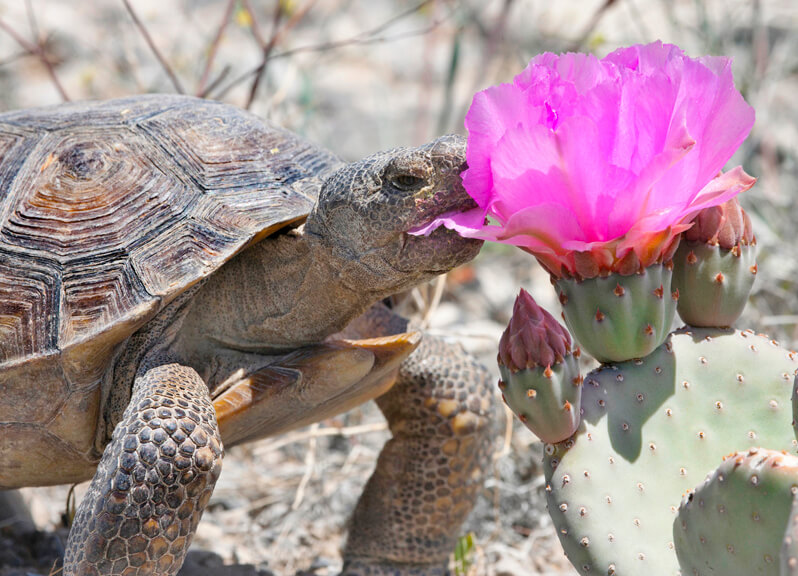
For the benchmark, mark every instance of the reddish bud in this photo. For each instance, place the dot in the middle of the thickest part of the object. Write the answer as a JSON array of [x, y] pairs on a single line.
[[726, 226], [533, 337]]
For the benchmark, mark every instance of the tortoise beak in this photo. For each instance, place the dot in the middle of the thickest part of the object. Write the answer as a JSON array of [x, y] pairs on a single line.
[[448, 195]]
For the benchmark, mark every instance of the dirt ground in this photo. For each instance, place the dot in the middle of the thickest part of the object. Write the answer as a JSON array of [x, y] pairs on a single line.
[[358, 76]]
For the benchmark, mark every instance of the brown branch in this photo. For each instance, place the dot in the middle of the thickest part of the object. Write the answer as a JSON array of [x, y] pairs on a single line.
[[397, 17], [164, 64], [277, 34], [362, 39], [38, 51], [214, 47], [34, 25], [265, 47], [255, 29]]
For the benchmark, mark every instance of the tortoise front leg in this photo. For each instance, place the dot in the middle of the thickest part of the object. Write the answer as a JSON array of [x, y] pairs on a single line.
[[153, 482], [440, 412]]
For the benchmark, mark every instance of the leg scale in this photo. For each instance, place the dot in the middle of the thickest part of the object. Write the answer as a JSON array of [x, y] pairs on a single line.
[[153, 481], [440, 412]]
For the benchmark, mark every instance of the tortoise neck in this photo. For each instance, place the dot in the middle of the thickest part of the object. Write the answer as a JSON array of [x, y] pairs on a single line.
[[281, 293]]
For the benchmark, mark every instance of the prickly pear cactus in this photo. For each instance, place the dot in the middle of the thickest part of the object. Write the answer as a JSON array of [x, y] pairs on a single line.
[[735, 523], [653, 429], [617, 318]]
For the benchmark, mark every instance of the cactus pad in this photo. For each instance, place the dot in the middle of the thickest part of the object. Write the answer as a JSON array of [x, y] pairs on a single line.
[[617, 318], [651, 430], [789, 546], [713, 282], [547, 400], [735, 522]]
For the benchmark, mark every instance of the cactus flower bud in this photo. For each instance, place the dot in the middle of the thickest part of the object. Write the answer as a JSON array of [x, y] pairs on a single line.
[[533, 337], [540, 372], [726, 226], [714, 267]]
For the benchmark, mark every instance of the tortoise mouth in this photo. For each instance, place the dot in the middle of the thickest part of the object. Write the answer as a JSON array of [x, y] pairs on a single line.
[[433, 211], [436, 252]]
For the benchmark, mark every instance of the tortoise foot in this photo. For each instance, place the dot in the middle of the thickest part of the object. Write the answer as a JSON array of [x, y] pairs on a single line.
[[153, 482]]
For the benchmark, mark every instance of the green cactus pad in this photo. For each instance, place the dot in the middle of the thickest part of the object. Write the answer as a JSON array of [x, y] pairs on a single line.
[[795, 406], [618, 318], [651, 430], [789, 546], [547, 401], [735, 522], [713, 283]]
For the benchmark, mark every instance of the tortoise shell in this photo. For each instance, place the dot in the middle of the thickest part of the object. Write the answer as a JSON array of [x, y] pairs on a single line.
[[109, 211]]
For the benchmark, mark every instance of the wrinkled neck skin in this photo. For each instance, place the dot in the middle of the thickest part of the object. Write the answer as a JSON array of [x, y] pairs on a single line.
[[287, 291]]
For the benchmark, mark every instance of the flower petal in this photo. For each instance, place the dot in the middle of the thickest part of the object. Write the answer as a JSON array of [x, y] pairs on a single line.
[[603, 156], [468, 224]]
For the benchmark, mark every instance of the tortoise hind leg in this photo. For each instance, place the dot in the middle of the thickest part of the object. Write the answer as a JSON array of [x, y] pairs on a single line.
[[440, 412], [153, 481]]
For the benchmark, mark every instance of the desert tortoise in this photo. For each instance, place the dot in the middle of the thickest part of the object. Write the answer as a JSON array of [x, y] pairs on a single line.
[[176, 274]]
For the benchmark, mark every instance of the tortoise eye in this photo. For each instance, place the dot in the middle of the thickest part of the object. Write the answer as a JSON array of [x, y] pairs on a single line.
[[407, 181]]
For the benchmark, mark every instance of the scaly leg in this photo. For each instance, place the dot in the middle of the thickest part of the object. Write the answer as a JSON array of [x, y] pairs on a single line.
[[153, 482], [440, 412]]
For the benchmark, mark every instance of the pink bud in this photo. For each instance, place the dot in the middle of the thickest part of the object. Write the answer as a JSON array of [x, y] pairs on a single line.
[[533, 337]]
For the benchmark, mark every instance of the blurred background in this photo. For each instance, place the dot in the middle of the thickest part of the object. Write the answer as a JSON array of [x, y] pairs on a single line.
[[358, 76]]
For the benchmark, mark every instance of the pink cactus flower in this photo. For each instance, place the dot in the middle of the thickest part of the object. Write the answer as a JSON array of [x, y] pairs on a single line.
[[596, 166]]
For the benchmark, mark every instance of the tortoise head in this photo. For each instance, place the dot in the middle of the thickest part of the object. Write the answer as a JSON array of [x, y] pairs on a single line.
[[366, 209]]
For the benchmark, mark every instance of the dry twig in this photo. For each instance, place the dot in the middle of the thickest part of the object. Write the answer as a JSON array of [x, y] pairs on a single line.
[[157, 53], [591, 25], [268, 46], [38, 51], [201, 90], [432, 306], [218, 80], [364, 38], [315, 432], [310, 463]]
